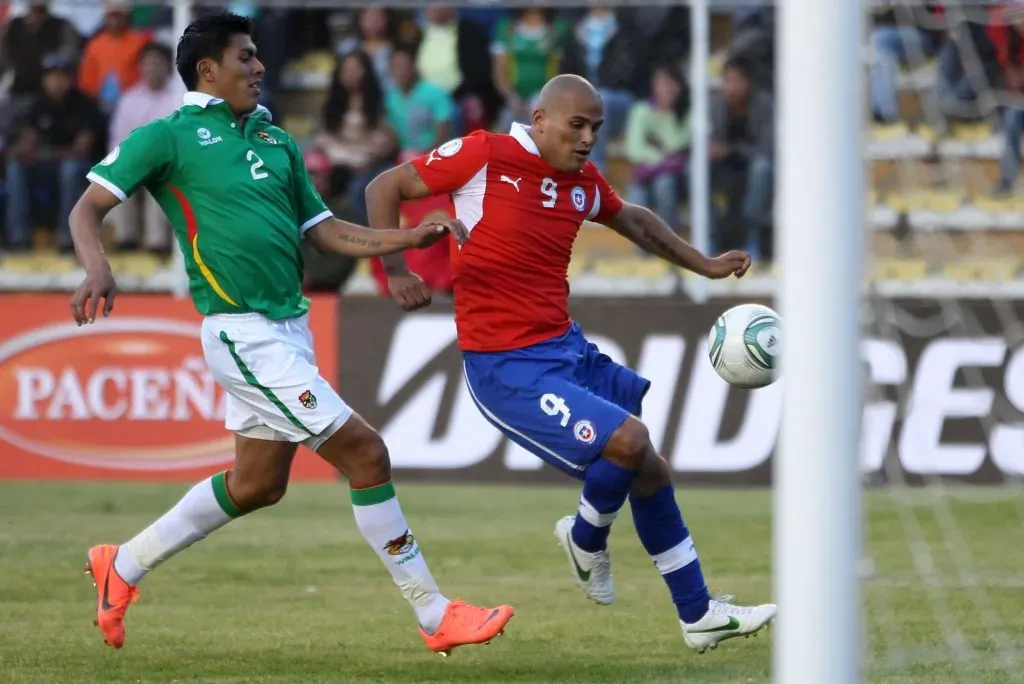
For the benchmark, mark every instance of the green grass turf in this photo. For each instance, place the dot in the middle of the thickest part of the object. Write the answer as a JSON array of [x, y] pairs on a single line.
[[292, 594]]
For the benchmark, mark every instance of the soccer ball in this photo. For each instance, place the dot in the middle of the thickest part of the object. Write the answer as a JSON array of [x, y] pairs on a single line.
[[744, 345]]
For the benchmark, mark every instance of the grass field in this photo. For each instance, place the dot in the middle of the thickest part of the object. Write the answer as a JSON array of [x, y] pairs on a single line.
[[292, 594]]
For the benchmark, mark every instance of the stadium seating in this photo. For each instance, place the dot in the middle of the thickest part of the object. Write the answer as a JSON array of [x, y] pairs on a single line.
[[930, 211]]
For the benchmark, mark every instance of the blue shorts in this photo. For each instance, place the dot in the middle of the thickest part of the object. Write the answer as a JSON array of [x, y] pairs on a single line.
[[560, 399]]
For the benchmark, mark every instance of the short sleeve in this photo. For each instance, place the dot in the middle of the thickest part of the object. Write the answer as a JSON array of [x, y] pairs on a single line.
[[607, 204], [143, 158], [310, 208], [452, 165]]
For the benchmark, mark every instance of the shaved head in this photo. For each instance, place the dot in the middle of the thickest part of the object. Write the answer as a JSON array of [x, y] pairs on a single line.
[[565, 123], [562, 87]]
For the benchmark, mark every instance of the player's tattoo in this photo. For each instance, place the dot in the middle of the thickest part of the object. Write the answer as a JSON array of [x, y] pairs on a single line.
[[650, 233], [657, 243], [362, 242]]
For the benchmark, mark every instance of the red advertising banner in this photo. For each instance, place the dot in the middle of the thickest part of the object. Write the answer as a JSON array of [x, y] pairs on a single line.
[[128, 397]]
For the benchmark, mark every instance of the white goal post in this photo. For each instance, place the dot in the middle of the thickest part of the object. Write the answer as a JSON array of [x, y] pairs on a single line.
[[820, 236]]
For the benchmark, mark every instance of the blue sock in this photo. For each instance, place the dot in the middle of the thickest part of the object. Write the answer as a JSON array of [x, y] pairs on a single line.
[[605, 489], [661, 529]]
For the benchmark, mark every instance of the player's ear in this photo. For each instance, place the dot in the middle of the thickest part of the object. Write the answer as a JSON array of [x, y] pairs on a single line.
[[205, 70], [537, 119]]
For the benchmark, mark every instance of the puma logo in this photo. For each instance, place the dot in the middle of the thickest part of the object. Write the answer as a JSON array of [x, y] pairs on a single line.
[[513, 183]]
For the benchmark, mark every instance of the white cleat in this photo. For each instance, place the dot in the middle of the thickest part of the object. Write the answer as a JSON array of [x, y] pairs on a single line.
[[592, 572], [726, 621]]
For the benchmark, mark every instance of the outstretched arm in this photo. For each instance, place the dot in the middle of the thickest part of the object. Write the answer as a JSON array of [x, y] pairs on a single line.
[[642, 227], [342, 237]]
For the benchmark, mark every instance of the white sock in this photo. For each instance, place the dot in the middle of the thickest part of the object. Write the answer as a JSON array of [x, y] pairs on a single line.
[[380, 520], [205, 507]]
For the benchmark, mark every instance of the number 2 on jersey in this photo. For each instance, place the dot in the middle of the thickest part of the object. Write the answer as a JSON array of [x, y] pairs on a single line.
[[256, 165], [549, 188]]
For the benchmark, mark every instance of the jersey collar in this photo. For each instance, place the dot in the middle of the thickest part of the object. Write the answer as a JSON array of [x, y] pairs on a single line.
[[204, 100], [522, 135]]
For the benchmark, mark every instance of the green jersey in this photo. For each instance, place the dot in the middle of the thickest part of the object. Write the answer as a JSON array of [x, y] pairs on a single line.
[[238, 196]]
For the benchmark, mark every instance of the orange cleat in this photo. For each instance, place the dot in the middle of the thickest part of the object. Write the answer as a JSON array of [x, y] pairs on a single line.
[[113, 594], [464, 624]]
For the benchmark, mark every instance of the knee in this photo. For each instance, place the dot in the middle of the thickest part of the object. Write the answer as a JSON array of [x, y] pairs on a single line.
[[654, 476], [630, 445], [885, 42], [372, 462], [366, 462], [252, 493]]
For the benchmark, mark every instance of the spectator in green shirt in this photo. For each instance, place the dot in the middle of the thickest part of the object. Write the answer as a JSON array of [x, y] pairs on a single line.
[[657, 142], [527, 51]]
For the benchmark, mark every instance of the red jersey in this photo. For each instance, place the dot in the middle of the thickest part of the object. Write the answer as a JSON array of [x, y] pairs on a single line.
[[510, 277]]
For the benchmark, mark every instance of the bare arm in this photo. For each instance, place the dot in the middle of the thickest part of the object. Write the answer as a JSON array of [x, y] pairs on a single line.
[[342, 237], [642, 227], [384, 196], [85, 220]]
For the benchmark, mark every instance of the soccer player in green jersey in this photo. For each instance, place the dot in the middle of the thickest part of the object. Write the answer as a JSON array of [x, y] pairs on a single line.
[[237, 193]]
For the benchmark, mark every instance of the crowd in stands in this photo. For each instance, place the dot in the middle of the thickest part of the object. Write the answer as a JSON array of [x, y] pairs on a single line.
[[75, 81], [978, 51]]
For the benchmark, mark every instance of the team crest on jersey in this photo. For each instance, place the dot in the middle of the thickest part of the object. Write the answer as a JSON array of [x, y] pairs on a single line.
[[400, 544], [266, 137], [112, 157], [579, 198], [584, 431], [308, 400], [448, 149]]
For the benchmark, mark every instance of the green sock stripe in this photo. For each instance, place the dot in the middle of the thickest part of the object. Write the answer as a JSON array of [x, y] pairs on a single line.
[[373, 495], [220, 490], [267, 392]]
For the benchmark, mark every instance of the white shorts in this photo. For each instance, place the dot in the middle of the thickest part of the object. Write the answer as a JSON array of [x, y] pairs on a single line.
[[269, 372]]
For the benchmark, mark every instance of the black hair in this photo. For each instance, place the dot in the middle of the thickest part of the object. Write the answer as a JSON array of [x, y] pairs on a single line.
[[338, 99], [673, 71], [206, 38], [405, 49], [157, 49], [739, 64]]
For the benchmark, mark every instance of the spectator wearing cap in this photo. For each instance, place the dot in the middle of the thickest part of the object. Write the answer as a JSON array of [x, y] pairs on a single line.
[[157, 95], [110, 63], [25, 41], [54, 140]]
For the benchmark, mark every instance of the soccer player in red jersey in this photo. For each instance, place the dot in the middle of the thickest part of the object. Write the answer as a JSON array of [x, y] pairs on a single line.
[[522, 198]]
